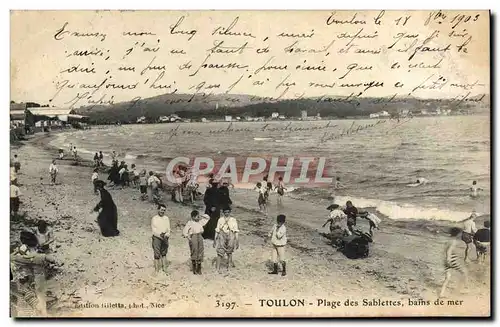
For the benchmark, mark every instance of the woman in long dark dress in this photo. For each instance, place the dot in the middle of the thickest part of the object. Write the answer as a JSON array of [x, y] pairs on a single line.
[[114, 176], [212, 208], [225, 200], [108, 217]]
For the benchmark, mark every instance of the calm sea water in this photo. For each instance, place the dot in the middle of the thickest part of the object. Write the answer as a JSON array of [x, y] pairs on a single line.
[[375, 163]]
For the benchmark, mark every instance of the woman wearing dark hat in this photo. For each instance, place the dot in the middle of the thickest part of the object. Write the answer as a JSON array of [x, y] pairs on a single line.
[[108, 217]]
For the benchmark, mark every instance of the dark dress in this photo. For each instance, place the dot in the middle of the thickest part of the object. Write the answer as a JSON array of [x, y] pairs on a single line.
[[211, 200], [225, 201], [114, 176], [108, 217]]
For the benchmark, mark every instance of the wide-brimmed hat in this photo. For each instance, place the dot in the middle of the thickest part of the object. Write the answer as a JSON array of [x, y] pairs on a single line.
[[206, 216], [100, 183], [332, 206]]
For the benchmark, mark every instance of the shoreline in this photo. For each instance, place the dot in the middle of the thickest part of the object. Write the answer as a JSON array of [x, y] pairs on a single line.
[[403, 263]]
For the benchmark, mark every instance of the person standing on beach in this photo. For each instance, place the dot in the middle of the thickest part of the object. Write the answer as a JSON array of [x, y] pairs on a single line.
[[143, 184], [452, 261], [153, 185], [226, 239], [75, 153], [352, 213], [193, 232], [61, 154], [95, 177], [53, 170], [15, 192], [468, 233], [135, 176], [261, 199], [17, 164], [113, 155], [212, 208], [108, 216], [225, 200], [482, 241], [280, 189], [278, 240], [160, 226], [96, 160], [101, 159]]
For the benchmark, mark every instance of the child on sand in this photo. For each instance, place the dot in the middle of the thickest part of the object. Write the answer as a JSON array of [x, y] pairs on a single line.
[[95, 177], [262, 198], [482, 241], [143, 184], [268, 189], [14, 197], [17, 164], [53, 170], [452, 261], [45, 236], [468, 233], [193, 232], [278, 240], [280, 189], [226, 238], [160, 226]]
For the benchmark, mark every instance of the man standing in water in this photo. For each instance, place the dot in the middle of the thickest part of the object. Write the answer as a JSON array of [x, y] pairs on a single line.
[[474, 190], [160, 225]]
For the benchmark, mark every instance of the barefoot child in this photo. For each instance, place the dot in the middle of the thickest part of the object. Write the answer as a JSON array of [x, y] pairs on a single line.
[[278, 240], [95, 177], [14, 197], [226, 238], [193, 232], [452, 261], [280, 189], [53, 170], [262, 198]]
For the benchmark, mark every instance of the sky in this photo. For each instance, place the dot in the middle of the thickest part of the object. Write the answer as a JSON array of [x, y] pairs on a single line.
[[41, 65]]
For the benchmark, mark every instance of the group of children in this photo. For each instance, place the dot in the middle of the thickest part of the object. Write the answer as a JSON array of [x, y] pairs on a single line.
[[226, 240], [264, 189]]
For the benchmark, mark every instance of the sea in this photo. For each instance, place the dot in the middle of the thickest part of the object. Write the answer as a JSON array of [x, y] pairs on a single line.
[[376, 160]]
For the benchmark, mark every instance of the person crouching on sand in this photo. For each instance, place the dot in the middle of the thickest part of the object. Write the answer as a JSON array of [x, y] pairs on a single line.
[[226, 238], [53, 170], [278, 240], [193, 232], [452, 261], [160, 226]]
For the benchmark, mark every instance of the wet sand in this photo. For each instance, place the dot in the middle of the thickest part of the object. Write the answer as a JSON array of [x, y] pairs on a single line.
[[404, 262]]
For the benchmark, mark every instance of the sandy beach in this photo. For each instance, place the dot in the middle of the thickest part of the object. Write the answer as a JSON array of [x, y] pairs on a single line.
[[405, 264]]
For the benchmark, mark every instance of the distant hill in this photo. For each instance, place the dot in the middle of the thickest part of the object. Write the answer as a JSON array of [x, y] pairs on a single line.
[[216, 106]]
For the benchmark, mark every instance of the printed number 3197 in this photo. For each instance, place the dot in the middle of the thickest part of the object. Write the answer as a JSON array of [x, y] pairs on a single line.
[[226, 305]]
